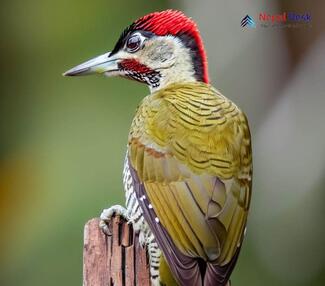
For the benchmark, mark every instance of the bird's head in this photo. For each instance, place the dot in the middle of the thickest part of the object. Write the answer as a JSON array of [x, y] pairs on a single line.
[[158, 49]]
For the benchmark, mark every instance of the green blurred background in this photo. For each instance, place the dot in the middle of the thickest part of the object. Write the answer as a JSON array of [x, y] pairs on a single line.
[[63, 139]]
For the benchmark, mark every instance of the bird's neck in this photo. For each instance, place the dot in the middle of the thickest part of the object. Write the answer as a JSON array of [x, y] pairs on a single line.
[[172, 77]]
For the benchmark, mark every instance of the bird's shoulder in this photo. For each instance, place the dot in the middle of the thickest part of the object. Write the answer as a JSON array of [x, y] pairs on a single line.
[[198, 125]]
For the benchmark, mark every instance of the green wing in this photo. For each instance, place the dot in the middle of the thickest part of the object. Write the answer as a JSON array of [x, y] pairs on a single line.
[[190, 147]]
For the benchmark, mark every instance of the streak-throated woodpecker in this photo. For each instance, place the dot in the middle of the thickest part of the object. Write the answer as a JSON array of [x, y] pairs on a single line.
[[188, 165]]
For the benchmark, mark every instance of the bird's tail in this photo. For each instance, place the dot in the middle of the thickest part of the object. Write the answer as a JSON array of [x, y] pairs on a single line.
[[219, 275]]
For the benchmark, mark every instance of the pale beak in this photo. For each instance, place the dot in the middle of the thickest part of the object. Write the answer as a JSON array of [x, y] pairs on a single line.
[[102, 64]]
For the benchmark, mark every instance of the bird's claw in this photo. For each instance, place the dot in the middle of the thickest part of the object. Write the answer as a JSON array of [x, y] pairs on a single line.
[[106, 217], [142, 240], [104, 225]]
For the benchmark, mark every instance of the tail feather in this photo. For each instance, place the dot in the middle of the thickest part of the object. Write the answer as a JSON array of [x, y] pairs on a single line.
[[217, 275]]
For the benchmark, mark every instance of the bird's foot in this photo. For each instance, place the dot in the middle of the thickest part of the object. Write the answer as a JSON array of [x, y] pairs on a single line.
[[142, 239], [107, 214]]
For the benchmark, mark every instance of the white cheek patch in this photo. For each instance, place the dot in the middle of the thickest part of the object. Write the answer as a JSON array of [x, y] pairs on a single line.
[[158, 53], [163, 53], [122, 54]]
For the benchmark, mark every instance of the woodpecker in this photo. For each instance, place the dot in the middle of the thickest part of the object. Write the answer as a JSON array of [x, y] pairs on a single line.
[[188, 165]]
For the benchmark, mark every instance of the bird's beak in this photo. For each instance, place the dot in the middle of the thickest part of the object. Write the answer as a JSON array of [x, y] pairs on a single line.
[[104, 64]]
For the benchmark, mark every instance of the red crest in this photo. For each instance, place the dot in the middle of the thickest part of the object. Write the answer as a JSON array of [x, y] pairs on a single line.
[[171, 22]]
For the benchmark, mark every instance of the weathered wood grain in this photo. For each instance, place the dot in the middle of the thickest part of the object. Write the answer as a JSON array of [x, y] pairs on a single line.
[[116, 260]]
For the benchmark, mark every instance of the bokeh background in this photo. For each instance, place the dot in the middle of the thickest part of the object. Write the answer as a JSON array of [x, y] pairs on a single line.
[[63, 139]]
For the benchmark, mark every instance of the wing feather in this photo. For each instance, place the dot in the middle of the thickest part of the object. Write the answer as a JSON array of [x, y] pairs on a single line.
[[193, 156]]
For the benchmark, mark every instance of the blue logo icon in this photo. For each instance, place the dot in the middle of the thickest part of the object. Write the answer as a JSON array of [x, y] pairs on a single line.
[[248, 21]]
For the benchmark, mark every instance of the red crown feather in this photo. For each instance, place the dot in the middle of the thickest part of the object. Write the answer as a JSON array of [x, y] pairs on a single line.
[[171, 22]]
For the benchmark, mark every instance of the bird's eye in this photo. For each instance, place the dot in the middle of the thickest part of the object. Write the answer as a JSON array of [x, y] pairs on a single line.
[[133, 43]]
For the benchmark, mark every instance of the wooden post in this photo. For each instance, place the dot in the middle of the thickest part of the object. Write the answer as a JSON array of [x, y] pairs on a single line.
[[116, 260]]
